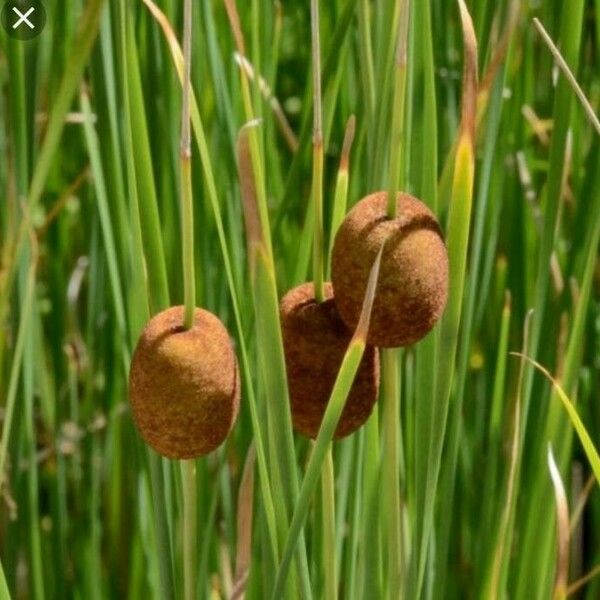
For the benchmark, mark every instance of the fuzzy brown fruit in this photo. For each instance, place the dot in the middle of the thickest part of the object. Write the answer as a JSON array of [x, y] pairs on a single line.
[[184, 384], [413, 279], [315, 340]]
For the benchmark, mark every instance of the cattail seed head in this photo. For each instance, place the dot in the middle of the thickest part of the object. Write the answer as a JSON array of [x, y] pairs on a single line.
[[413, 281], [184, 385], [315, 340]]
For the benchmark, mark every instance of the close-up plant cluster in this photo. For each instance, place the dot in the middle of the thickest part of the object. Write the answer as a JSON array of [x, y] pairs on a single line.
[[300, 300]]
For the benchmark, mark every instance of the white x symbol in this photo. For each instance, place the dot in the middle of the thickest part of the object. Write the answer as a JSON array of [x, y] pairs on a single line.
[[23, 17]]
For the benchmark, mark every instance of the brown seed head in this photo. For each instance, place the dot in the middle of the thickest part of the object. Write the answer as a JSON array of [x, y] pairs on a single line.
[[184, 384], [315, 340], [413, 281]]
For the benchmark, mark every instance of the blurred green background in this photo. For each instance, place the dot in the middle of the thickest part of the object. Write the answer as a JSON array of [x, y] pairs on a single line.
[[90, 247]]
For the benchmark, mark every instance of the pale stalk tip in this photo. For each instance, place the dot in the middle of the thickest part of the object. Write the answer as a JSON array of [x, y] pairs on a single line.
[[362, 328]]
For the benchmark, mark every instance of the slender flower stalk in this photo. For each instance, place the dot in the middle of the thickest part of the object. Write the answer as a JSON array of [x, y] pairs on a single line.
[[187, 210], [317, 181], [188, 467], [399, 109], [190, 527]]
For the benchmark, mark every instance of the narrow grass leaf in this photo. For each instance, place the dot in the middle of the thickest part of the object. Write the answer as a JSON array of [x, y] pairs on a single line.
[[562, 529], [459, 221], [335, 406], [582, 433], [564, 67], [427, 351], [147, 279], [328, 520], [577, 585], [271, 99], [105, 222], [570, 42], [255, 240], [266, 306], [4, 591], [252, 221], [340, 196], [86, 36], [398, 151], [17, 361], [245, 512], [158, 293]]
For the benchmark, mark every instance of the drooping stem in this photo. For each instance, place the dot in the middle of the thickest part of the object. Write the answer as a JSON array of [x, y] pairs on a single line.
[[317, 181], [187, 210], [397, 141]]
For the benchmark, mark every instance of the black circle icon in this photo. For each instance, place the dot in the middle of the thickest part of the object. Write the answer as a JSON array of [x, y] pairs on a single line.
[[23, 19]]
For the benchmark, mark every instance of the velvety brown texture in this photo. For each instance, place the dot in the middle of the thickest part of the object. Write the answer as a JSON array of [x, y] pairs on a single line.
[[315, 340], [184, 384], [413, 280]]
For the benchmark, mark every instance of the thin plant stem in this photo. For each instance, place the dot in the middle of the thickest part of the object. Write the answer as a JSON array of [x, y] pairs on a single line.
[[371, 575], [328, 504], [13, 382], [391, 469], [188, 467], [190, 527], [187, 209], [564, 67], [4, 592], [187, 214], [366, 48], [577, 585], [340, 197], [317, 181], [398, 112]]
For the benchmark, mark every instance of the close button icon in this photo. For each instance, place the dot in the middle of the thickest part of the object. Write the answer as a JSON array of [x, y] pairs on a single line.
[[23, 19]]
